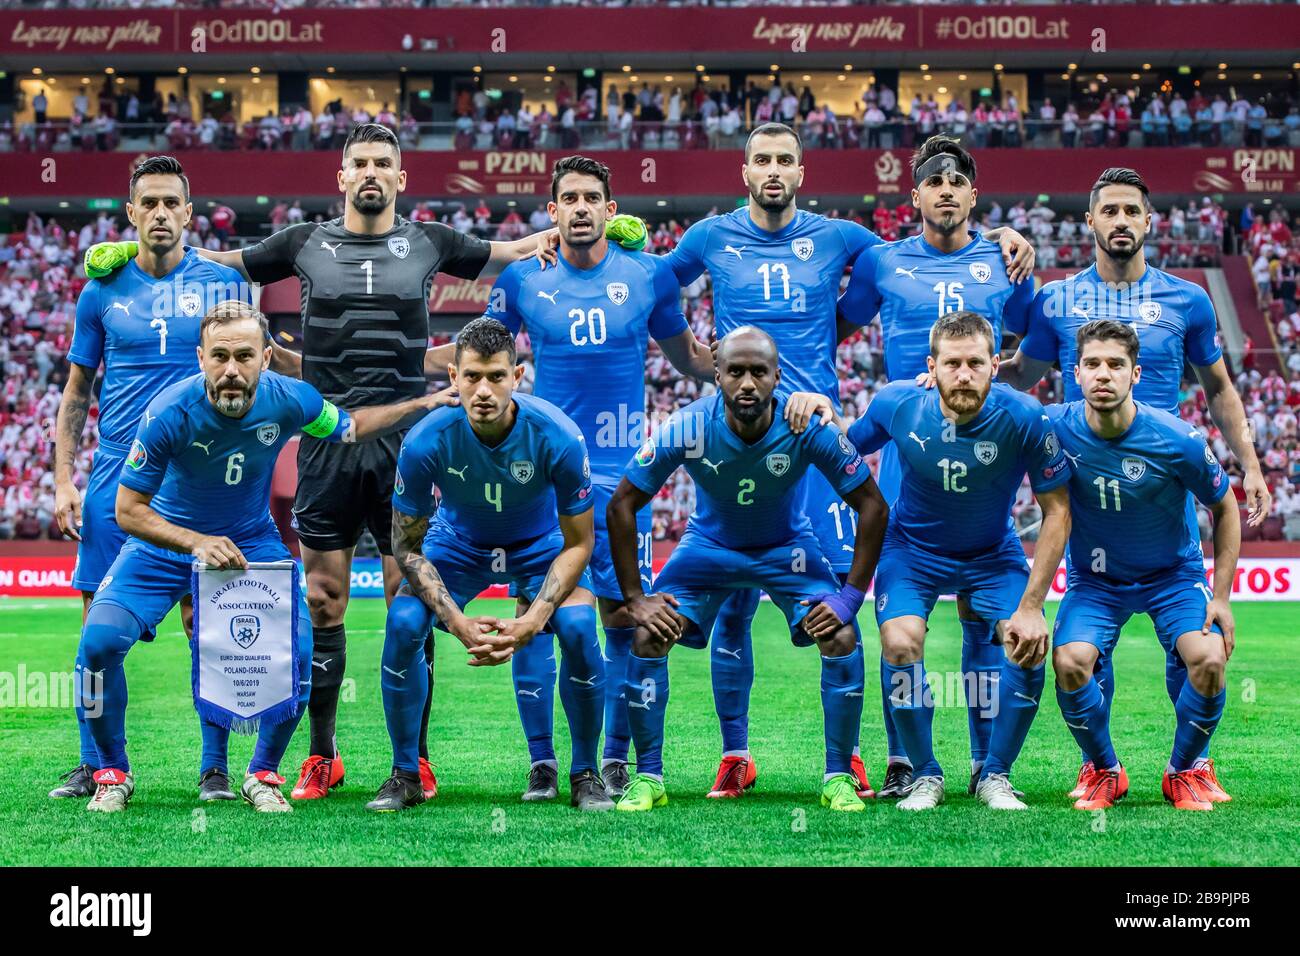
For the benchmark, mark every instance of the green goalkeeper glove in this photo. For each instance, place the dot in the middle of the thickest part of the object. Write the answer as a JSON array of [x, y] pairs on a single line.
[[105, 258], [628, 231]]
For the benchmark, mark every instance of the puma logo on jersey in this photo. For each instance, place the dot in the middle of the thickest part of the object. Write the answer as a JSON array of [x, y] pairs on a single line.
[[730, 652], [643, 704], [735, 250], [918, 440], [910, 273], [588, 682], [1026, 697], [708, 464], [207, 448], [548, 296], [148, 419], [459, 474], [525, 692], [1083, 726], [1074, 460], [1079, 310], [124, 306], [334, 249]]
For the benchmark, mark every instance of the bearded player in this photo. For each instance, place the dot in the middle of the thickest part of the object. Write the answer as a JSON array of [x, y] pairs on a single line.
[[1175, 324], [590, 320], [778, 268]]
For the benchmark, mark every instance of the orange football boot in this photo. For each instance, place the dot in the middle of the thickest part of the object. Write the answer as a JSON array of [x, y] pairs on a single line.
[[1105, 788], [1207, 781], [428, 782], [1081, 785], [735, 776], [1180, 789], [859, 770], [318, 777]]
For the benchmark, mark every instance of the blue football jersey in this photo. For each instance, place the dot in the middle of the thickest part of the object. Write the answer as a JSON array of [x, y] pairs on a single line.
[[212, 473], [495, 496], [590, 329], [913, 285], [960, 481], [746, 496], [785, 283], [1128, 494], [145, 331], [1173, 318]]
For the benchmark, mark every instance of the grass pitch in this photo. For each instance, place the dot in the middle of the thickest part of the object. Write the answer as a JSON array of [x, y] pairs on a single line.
[[481, 762]]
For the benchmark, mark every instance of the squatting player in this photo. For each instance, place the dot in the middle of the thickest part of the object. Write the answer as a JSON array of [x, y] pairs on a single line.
[[778, 268], [748, 531], [589, 321], [365, 280], [1175, 324], [1133, 552], [911, 283], [963, 452], [515, 508], [197, 485], [142, 323]]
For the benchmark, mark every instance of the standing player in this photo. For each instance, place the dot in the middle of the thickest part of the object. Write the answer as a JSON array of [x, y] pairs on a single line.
[[911, 283], [589, 321], [1133, 552], [516, 503], [366, 278], [197, 485], [778, 268], [143, 325], [963, 453], [748, 531], [1175, 324]]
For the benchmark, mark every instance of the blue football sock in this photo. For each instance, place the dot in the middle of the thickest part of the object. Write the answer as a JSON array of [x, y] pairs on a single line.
[[913, 707], [582, 682], [89, 755], [897, 753], [273, 741], [1019, 691], [1197, 716], [109, 632], [404, 678], [618, 734], [842, 683], [1175, 680], [533, 668], [732, 667], [216, 746], [647, 700], [1084, 711], [981, 664], [1104, 672]]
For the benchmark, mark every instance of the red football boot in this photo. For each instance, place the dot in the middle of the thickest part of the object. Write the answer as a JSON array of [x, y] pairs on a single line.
[[1105, 788], [735, 776], [1207, 781], [428, 782], [1085, 778], [318, 777], [1182, 791], [859, 770]]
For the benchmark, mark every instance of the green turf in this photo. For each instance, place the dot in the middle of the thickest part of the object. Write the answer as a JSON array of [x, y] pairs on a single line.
[[478, 749]]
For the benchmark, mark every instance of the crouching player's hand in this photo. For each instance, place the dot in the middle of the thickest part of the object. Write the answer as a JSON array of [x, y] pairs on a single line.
[[1025, 638], [220, 552], [654, 612], [831, 611], [485, 647]]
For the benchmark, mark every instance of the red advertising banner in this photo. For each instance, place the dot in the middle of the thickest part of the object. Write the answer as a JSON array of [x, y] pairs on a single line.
[[525, 174], [1079, 30]]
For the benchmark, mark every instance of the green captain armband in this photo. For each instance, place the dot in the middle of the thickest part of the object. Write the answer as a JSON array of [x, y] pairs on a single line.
[[326, 423], [105, 258], [628, 231]]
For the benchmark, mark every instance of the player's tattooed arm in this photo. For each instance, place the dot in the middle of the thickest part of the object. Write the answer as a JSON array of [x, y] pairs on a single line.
[[136, 516], [562, 577], [689, 355], [71, 422], [1230, 415], [1017, 252], [1025, 634], [1227, 549], [653, 612]]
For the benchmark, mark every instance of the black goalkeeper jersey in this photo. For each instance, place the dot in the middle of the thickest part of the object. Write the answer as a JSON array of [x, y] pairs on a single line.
[[365, 301]]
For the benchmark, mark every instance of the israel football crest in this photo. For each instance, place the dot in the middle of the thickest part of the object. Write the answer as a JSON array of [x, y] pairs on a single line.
[[846, 446], [245, 629], [586, 466], [522, 471], [1209, 457], [1051, 445], [1150, 312], [778, 465], [980, 271], [1134, 468], [617, 292], [881, 602], [986, 451], [399, 246], [189, 303], [803, 248], [267, 434]]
